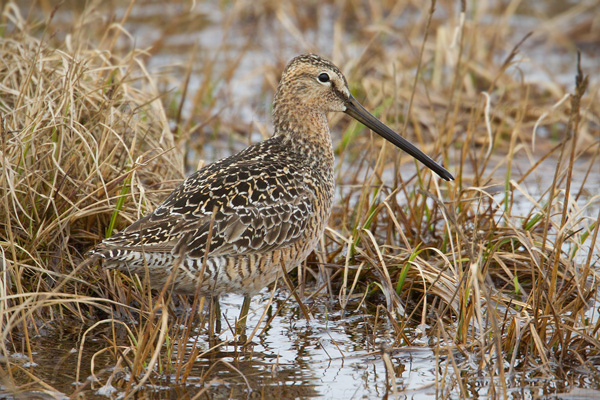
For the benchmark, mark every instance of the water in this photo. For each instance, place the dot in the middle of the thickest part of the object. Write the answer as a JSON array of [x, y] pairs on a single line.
[[337, 358], [333, 356]]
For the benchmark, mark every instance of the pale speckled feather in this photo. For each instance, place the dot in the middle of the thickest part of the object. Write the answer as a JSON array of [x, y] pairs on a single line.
[[259, 205]]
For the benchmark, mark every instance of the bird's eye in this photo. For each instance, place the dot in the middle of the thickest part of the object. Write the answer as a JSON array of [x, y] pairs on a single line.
[[323, 77]]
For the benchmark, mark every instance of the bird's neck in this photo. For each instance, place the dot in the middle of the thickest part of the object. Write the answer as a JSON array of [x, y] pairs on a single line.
[[305, 130]]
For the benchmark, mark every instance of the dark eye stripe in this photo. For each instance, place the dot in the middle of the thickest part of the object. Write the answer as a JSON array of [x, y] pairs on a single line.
[[339, 93]]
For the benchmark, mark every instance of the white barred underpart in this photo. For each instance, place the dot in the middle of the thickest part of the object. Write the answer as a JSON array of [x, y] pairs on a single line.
[[218, 278]]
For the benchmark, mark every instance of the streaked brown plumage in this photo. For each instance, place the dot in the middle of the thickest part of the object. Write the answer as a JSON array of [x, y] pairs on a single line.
[[268, 205]]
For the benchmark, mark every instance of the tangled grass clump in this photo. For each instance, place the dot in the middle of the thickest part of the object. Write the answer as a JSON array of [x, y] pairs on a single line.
[[84, 139]]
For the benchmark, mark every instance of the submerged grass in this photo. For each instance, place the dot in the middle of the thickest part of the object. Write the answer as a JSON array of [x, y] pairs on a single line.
[[499, 278]]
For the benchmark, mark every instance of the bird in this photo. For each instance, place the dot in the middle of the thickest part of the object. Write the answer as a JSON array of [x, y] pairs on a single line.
[[237, 224]]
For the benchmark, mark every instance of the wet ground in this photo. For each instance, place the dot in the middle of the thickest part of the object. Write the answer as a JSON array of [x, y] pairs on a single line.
[[339, 357]]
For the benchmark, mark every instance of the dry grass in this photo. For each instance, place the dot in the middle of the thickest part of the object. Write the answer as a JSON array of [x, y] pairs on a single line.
[[86, 148], [501, 277]]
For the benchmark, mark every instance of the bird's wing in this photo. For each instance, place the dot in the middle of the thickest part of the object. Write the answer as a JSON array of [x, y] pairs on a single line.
[[243, 205]]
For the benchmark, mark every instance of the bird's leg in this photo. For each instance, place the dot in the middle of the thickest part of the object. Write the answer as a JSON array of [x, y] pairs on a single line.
[[217, 315], [214, 317], [241, 323]]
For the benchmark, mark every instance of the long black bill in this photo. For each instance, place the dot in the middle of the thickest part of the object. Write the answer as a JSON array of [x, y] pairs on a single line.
[[359, 113]]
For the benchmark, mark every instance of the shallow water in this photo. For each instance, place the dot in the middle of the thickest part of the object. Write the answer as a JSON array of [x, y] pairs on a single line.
[[337, 357]]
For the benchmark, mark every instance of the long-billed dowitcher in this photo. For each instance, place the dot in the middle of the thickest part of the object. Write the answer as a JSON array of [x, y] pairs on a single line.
[[233, 226]]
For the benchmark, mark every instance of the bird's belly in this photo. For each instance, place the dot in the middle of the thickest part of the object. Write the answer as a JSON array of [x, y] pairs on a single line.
[[243, 274], [246, 274]]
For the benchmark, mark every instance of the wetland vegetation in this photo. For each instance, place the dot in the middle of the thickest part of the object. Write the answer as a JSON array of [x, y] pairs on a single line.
[[482, 287]]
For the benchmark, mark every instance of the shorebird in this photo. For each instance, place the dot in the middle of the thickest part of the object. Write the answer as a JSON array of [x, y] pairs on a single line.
[[235, 225]]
